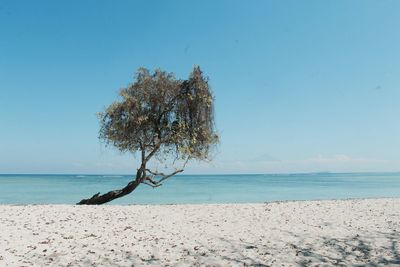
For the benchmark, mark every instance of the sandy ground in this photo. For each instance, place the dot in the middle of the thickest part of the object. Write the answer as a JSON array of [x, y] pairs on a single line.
[[309, 233]]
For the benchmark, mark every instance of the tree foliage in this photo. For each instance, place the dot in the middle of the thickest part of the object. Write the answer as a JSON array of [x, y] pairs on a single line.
[[160, 116]]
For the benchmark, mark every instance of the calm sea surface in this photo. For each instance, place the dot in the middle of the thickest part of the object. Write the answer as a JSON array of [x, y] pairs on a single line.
[[69, 189]]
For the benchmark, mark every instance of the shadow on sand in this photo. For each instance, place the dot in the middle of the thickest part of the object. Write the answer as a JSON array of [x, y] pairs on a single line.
[[353, 252]]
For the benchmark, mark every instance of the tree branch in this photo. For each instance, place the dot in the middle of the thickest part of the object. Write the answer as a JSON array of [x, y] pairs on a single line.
[[155, 173], [157, 146], [169, 175], [148, 178], [143, 152], [150, 182], [153, 186], [164, 176]]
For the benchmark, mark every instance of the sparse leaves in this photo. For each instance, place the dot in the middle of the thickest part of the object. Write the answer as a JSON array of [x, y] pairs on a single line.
[[158, 109]]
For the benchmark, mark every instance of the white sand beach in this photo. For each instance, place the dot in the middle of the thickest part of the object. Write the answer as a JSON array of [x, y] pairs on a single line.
[[304, 233]]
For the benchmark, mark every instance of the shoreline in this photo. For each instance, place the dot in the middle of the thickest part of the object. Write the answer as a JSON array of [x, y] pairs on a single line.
[[208, 204], [284, 233]]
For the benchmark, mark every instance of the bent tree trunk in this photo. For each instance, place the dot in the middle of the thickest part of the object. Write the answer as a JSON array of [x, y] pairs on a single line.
[[98, 199]]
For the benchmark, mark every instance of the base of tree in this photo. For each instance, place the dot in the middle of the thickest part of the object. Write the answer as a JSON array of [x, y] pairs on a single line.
[[98, 199]]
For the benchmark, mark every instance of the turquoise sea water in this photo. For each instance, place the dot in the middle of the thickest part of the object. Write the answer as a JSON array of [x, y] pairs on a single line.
[[69, 189]]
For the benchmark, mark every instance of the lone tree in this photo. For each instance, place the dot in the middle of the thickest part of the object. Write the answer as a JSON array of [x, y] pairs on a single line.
[[159, 116]]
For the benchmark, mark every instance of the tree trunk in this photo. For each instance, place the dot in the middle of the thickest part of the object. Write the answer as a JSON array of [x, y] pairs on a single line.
[[98, 199]]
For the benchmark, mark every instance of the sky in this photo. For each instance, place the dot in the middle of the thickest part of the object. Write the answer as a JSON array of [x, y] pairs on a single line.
[[300, 86]]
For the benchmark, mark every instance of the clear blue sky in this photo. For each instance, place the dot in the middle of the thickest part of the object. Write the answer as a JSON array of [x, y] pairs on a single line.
[[300, 86]]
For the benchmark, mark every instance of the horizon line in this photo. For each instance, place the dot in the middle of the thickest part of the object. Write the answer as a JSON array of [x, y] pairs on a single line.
[[208, 174]]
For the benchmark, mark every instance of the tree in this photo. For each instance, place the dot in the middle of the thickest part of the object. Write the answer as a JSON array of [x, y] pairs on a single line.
[[159, 117]]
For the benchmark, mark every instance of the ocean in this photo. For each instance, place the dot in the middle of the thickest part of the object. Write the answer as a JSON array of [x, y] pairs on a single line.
[[185, 189]]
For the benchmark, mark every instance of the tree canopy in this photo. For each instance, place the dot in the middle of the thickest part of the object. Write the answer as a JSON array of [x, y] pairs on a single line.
[[159, 116]]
